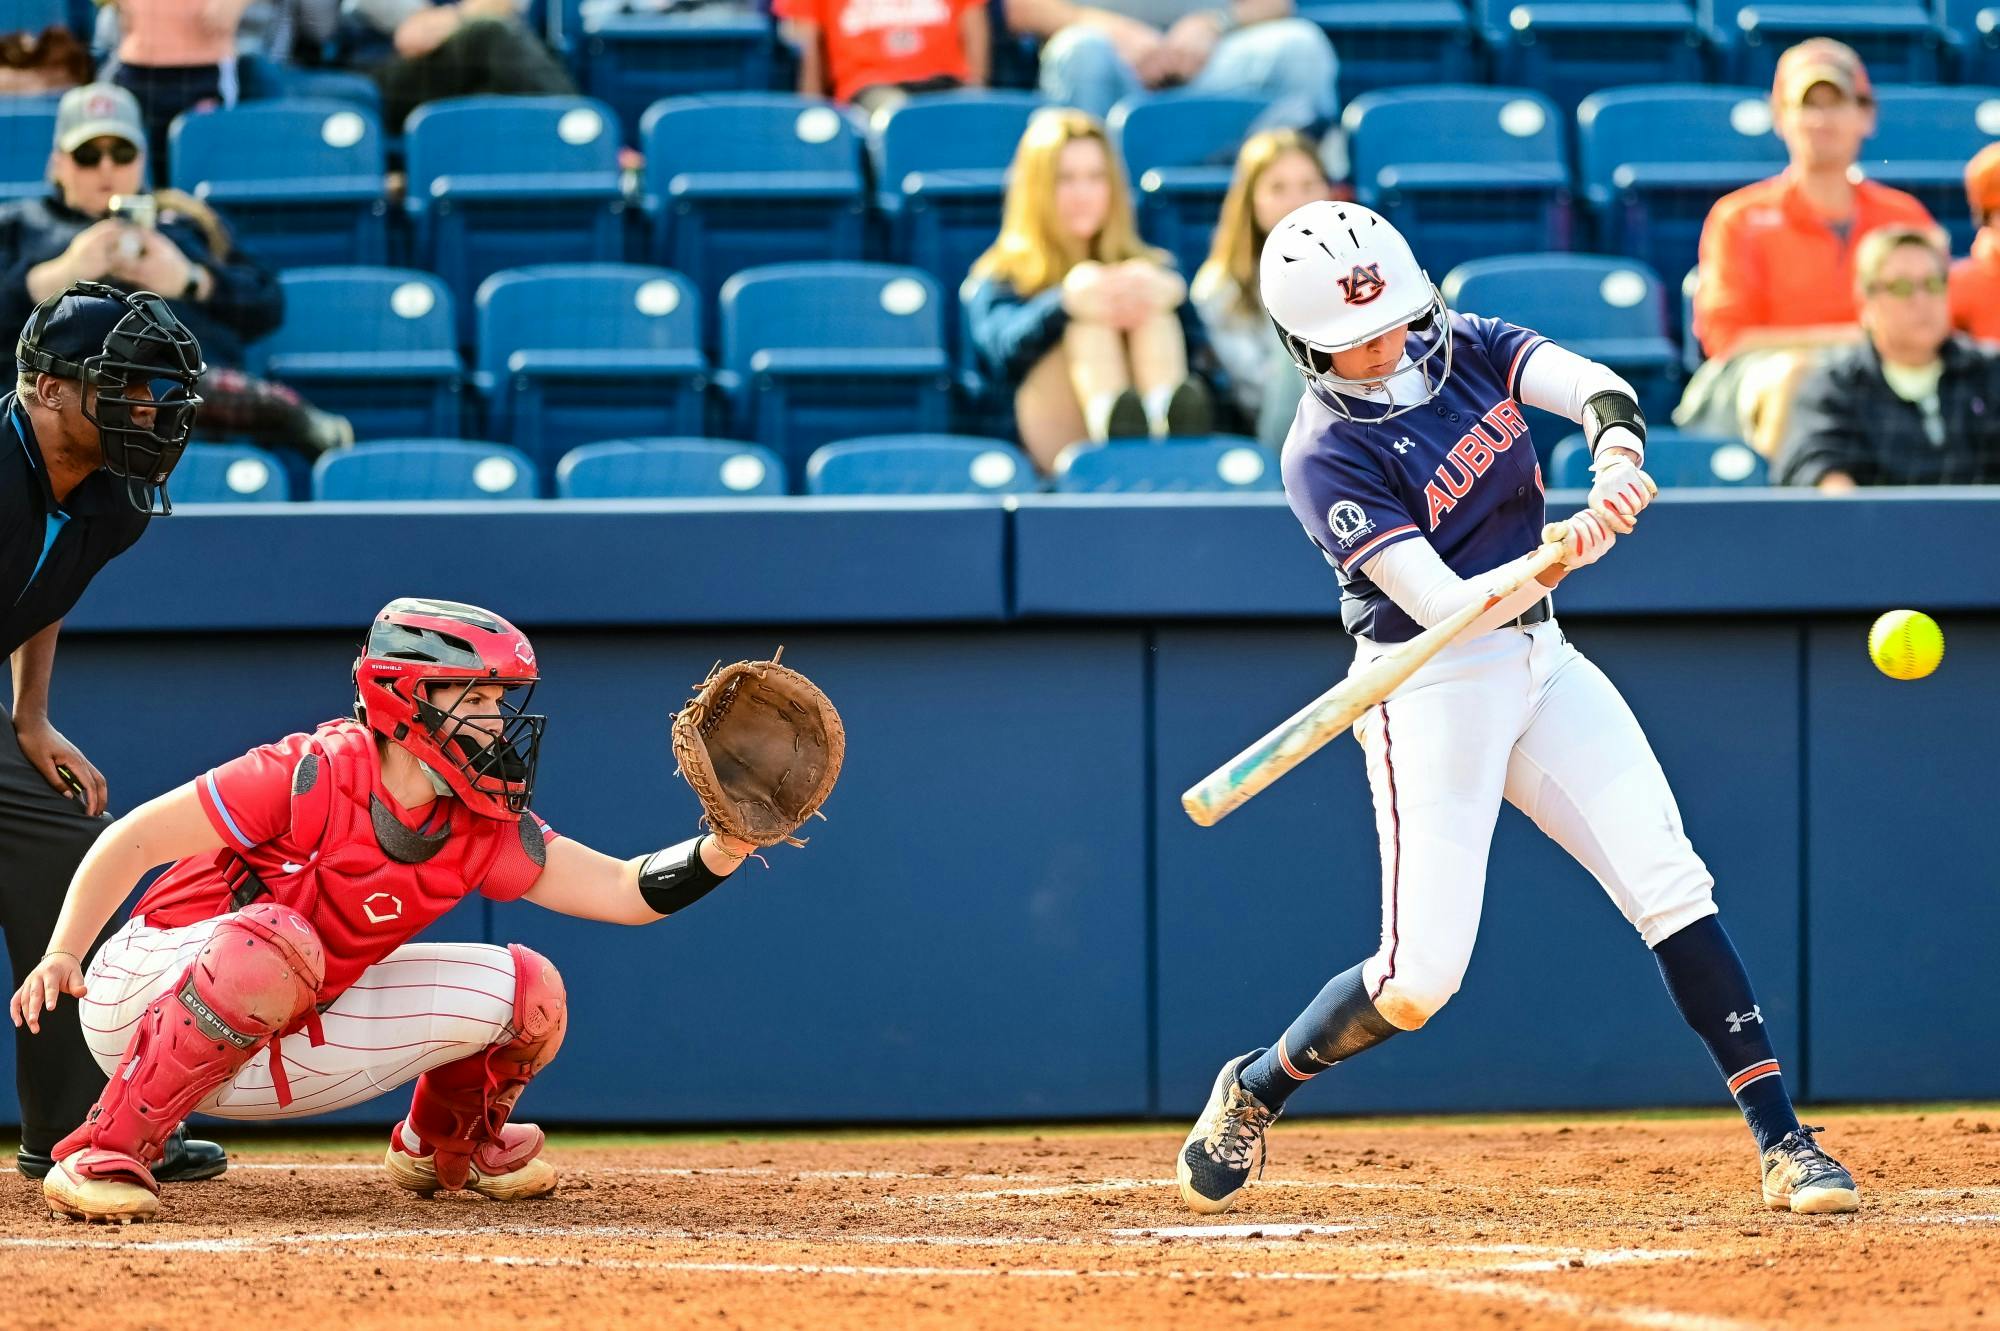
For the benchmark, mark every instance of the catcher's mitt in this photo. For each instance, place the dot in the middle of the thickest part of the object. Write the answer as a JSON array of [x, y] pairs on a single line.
[[762, 746]]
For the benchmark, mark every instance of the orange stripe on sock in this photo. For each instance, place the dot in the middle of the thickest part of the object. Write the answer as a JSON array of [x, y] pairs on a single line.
[[1756, 1070], [1290, 1071]]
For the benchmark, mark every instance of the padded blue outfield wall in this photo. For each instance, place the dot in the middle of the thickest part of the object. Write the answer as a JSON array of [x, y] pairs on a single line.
[[1008, 916]]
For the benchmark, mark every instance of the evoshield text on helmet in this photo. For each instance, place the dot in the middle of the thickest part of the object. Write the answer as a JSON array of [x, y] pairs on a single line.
[[416, 645], [146, 348], [1335, 276]]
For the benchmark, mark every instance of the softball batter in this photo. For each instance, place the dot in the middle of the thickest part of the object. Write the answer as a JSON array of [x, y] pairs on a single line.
[[1410, 466]]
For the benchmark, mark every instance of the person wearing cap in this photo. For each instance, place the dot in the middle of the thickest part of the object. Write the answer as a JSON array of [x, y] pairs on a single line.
[[1911, 403], [103, 404], [1777, 257], [1975, 281], [182, 251]]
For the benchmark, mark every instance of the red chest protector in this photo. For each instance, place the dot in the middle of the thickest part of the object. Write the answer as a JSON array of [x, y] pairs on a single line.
[[368, 882]]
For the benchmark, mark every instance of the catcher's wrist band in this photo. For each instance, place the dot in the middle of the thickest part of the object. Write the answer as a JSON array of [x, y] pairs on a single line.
[[675, 878]]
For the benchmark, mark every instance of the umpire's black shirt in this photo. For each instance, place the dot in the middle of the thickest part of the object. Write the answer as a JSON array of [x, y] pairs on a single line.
[[49, 552]]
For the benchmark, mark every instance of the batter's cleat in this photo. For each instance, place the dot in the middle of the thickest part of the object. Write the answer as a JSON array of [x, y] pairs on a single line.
[[1802, 1178], [184, 1160], [1226, 1144], [101, 1187], [509, 1170]]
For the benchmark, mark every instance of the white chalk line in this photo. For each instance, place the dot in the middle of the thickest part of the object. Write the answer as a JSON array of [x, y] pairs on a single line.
[[1653, 1319]]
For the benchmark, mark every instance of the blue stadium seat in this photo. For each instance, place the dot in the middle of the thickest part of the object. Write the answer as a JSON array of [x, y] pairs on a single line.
[[920, 464], [1901, 41], [733, 181], [300, 183], [1179, 151], [228, 474], [554, 196], [377, 345], [1568, 49], [1972, 35], [941, 175], [1183, 466], [1611, 310], [425, 469], [1395, 43], [633, 60], [32, 15], [569, 353], [1650, 190], [27, 131], [668, 469], [1923, 139], [814, 352], [1464, 172], [1672, 459]]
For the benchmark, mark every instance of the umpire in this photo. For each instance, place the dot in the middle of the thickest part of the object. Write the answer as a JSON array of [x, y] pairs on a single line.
[[101, 411]]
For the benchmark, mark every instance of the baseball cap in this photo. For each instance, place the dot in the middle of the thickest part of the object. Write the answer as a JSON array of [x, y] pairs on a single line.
[[1820, 60], [1982, 181], [97, 111], [76, 328]]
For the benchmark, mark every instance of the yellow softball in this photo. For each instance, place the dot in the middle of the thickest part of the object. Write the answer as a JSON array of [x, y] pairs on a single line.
[[1906, 644]]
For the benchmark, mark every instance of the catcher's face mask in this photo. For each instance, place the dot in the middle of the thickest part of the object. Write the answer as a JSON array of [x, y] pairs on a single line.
[[138, 378], [451, 683]]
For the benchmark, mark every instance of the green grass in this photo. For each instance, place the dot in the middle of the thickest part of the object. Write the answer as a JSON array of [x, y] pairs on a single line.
[[251, 1142]]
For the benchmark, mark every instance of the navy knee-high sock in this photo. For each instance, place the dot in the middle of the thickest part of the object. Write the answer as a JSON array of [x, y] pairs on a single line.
[[1712, 990], [1338, 1024]]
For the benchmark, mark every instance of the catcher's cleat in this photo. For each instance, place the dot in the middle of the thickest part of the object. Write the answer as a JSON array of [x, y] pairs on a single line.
[[509, 1170], [1226, 1144], [101, 1187], [1802, 1178]]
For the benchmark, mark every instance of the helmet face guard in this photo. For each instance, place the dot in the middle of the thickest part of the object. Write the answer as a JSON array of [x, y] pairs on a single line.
[[1370, 402], [415, 648], [151, 350]]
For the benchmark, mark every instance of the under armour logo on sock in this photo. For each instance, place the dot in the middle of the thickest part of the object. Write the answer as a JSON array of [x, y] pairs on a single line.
[[1736, 1019]]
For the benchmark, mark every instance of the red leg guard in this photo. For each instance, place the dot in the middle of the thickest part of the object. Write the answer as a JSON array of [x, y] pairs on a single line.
[[462, 1106], [258, 973]]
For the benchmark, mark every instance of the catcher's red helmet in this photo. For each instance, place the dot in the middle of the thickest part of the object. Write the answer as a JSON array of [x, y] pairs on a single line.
[[416, 644]]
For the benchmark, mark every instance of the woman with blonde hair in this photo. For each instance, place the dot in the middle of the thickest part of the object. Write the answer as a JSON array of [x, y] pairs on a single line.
[[1276, 171], [1083, 320]]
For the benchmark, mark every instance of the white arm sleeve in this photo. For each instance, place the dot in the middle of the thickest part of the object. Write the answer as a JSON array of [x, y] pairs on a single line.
[[1411, 574], [1558, 380]]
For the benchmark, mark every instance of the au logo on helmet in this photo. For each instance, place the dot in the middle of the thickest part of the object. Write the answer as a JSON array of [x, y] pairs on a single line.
[[1363, 284]]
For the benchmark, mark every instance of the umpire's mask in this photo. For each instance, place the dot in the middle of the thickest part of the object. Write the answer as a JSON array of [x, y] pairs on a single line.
[[140, 358]]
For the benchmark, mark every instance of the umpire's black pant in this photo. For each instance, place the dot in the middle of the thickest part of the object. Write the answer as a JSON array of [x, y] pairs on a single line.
[[42, 837]]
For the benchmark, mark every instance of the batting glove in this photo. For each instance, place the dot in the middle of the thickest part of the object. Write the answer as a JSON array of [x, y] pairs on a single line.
[[1589, 537], [1620, 492]]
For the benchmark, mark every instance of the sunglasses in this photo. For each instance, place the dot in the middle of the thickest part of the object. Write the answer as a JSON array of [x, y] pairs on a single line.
[[1902, 288], [89, 155]]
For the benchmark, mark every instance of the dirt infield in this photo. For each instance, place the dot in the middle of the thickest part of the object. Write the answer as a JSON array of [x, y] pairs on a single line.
[[1598, 1223]]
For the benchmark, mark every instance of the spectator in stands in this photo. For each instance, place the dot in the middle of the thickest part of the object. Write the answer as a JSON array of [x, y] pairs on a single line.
[[877, 53], [1095, 55], [1912, 403], [168, 243], [175, 56], [1277, 170], [1975, 282], [1777, 257], [1086, 323], [424, 51], [37, 64]]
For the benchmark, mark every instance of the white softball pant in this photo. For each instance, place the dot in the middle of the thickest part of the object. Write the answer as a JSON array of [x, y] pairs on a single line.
[[1517, 714], [423, 1005]]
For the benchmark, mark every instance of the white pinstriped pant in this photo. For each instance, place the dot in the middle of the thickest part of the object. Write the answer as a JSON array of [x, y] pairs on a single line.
[[423, 1005]]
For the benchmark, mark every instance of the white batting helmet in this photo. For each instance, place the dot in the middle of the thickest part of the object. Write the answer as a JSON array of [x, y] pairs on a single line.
[[1335, 275]]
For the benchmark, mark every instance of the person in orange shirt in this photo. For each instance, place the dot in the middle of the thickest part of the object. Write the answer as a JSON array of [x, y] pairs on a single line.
[[1777, 257], [1975, 282], [876, 53]]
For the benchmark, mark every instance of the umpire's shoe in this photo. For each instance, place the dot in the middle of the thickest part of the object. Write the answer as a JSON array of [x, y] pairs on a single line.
[[1226, 1144], [1800, 1177], [185, 1161]]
